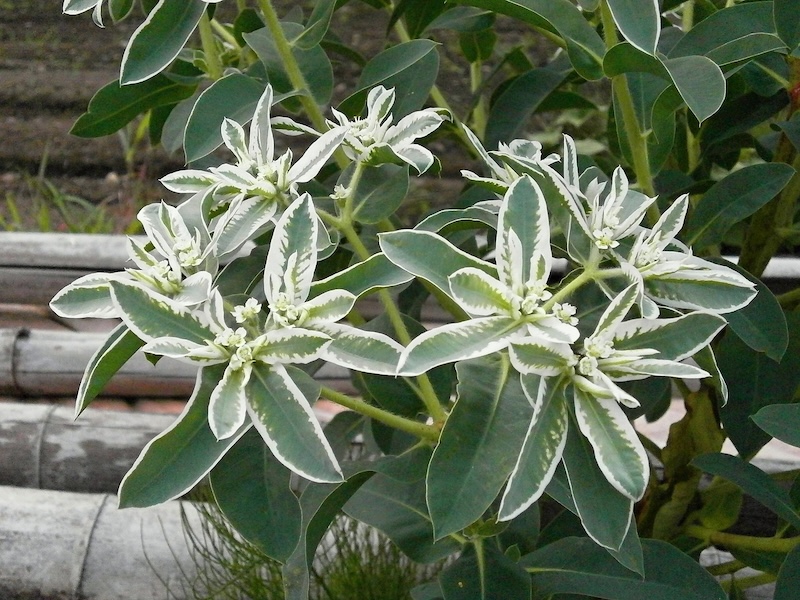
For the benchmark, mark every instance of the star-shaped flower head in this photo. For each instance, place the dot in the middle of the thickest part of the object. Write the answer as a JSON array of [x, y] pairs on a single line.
[[509, 308], [180, 266], [258, 175], [376, 139], [616, 351], [518, 158]]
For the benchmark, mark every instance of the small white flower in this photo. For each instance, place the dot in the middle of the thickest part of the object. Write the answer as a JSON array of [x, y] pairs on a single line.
[[247, 311], [565, 313]]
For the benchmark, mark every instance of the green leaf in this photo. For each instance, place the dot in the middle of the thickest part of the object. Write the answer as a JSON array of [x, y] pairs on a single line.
[[397, 508], [252, 490], [479, 444], [604, 512], [458, 218], [543, 446], [283, 416], [700, 83], [157, 41], [150, 317], [584, 46], [731, 35], [320, 504], [380, 192], [781, 421], [463, 18], [411, 66], [753, 482], [761, 324], [115, 105], [733, 199], [788, 577], [412, 251], [755, 381], [234, 97], [463, 340], [787, 22], [364, 277], [317, 25], [119, 9], [175, 460], [639, 21], [117, 349], [577, 566], [491, 576], [514, 106], [313, 63]]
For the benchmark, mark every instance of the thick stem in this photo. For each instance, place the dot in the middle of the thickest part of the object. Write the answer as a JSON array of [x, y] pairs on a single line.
[[421, 430], [744, 542], [213, 63], [636, 139]]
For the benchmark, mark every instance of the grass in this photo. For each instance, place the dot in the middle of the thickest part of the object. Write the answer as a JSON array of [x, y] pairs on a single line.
[[353, 561]]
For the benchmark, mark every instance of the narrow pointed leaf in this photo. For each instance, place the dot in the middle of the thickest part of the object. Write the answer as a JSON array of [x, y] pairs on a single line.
[[617, 449], [173, 462], [86, 297], [159, 39], [117, 349], [294, 242], [253, 491], [540, 357], [478, 293], [544, 444], [375, 272], [478, 445], [283, 416]]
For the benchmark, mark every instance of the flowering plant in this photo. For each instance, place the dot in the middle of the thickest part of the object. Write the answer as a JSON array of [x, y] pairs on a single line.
[[574, 301]]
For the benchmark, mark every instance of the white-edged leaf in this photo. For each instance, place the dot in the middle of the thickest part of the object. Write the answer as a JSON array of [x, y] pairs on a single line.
[[317, 154], [416, 156], [175, 460], [195, 289], [365, 351], [412, 251], [457, 341], [328, 307], [523, 235], [284, 418], [570, 163], [619, 453], [714, 288], [639, 21], [674, 338], [292, 255], [262, 145], [150, 315], [617, 309], [413, 126], [243, 219], [86, 297], [290, 345], [478, 293], [188, 181], [234, 138], [539, 357], [120, 345], [227, 408], [544, 443], [654, 367]]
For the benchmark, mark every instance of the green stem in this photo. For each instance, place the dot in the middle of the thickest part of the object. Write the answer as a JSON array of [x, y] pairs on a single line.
[[296, 77], [479, 112], [213, 63], [224, 33], [789, 299], [421, 430], [636, 139], [743, 583], [744, 542], [725, 568]]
